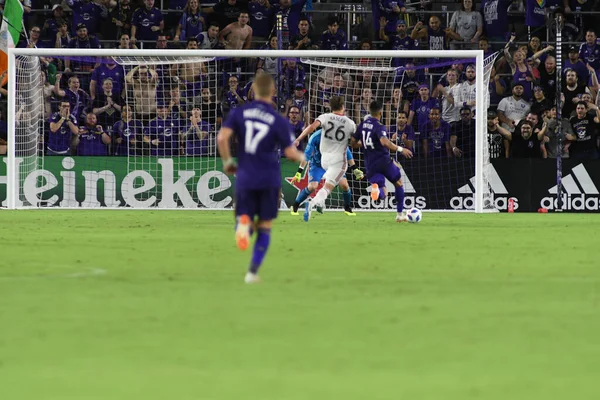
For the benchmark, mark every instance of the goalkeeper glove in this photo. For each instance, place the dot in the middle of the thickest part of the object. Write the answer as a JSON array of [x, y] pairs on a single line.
[[298, 175], [358, 174]]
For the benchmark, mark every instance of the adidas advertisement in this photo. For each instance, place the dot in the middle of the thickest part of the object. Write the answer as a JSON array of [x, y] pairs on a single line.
[[466, 201], [579, 192]]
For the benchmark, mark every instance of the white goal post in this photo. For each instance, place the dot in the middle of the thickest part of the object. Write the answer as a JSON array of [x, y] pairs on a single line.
[[479, 181]]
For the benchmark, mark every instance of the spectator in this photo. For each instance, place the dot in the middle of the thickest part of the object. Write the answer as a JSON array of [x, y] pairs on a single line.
[[421, 106], [196, 136], [63, 38], [548, 78], [299, 100], [52, 24], [261, 19], [160, 134], [296, 123], [191, 23], [513, 108], [535, 13], [551, 138], [125, 42], [574, 63], [143, 81], [398, 41], [540, 102], [62, 126], [468, 24], [467, 89], [236, 36], [226, 12], [107, 105], [292, 74], [526, 144], [192, 74], [435, 135], [533, 47], [34, 39], [127, 134], [79, 101], [337, 88], [91, 140], [210, 38], [234, 97], [361, 107], [402, 133], [522, 72], [460, 72], [87, 13], [396, 106], [333, 38], [290, 16], [146, 23], [209, 109], [572, 92], [82, 41], [541, 55], [437, 38], [270, 64], [303, 41], [497, 88], [584, 138], [462, 134], [451, 96], [388, 11], [365, 79], [48, 92], [498, 137], [178, 106], [410, 81], [121, 16], [589, 51], [495, 17], [107, 69]]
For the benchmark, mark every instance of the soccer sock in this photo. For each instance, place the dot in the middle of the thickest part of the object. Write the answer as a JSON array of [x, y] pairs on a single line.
[[260, 249], [381, 193], [321, 197], [303, 195], [347, 198], [399, 198]]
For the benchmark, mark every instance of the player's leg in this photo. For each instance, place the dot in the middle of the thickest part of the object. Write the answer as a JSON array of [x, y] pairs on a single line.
[[268, 207], [333, 174], [246, 206], [315, 174], [347, 195], [393, 174], [377, 181]]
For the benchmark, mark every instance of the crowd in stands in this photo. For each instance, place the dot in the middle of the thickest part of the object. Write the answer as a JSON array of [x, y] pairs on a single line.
[[98, 107]]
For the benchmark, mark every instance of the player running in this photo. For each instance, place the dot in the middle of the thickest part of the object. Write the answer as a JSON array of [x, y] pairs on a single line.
[[337, 131], [316, 172], [373, 138], [260, 133]]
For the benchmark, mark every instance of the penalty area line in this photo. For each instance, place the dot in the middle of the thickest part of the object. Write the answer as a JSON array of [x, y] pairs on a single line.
[[85, 273]]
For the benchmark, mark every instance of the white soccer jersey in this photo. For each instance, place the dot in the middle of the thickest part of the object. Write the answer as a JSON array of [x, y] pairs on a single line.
[[513, 109], [336, 131]]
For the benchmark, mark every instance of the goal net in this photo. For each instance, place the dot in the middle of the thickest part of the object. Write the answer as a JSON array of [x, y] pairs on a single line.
[[138, 128]]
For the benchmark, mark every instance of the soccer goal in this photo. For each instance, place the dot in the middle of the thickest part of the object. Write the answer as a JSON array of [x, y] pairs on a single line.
[[137, 128]]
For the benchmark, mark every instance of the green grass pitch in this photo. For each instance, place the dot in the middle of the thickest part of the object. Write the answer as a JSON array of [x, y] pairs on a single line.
[[151, 305]]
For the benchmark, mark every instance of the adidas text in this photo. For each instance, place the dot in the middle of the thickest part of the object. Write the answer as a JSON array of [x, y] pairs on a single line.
[[366, 202], [468, 203], [572, 202]]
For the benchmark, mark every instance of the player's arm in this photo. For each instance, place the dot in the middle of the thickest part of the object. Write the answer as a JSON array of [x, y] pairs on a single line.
[[293, 154], [385, 142], [224, 146], [358, 174], [307, 131]]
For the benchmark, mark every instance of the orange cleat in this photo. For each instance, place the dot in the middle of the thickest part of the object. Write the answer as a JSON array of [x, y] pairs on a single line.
[[242, 233], [375, 192]]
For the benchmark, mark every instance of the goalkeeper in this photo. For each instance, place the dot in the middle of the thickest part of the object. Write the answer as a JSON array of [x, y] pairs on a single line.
[[316, 172]]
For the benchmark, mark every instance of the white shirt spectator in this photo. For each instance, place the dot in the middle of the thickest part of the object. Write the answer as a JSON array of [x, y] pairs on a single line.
[[513, 109]]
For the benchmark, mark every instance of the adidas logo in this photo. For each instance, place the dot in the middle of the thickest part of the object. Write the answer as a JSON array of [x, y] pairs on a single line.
[[410, 198], [579, 192], [466, 202]]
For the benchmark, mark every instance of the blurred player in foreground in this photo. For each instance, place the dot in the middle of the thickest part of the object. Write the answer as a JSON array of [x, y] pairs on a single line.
[[373, 138], [261, 132], [316, 172]]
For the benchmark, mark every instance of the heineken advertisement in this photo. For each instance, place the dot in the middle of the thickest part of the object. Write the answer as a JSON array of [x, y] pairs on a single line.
[[198, 182]]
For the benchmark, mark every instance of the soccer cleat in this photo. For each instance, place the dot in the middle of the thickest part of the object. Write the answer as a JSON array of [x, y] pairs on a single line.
[[295, 209], [320, 209], [375, 192], [242, 232], [251, 278], [401, 217], [348, 211], [307, 211], [294, 212]]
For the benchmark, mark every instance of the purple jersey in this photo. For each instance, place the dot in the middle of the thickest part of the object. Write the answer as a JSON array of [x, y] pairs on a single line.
[[117, 74], [521, 77], [88, 14], [398, 43], [80, 101], [590, 55], [191, 26], [407, 130], [421, 109], [370, 132], [260, 19], [127, 131], [60, 141], [330, 41], [436, 138], [261, 132], [144, 20], [90, 142], [199, 141], [168, 138]]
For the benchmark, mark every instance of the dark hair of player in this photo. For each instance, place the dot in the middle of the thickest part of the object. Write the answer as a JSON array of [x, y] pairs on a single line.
[[336, 103], [375, 107], [264, 86]]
